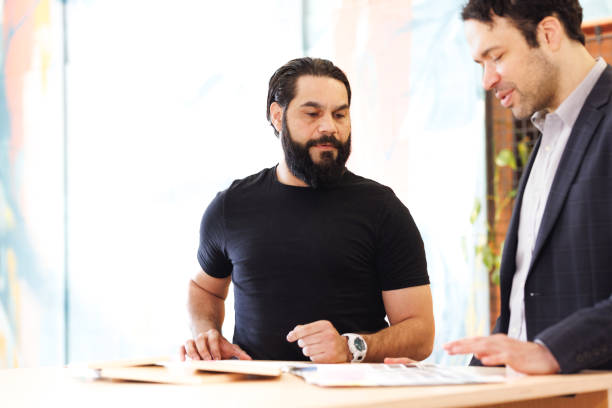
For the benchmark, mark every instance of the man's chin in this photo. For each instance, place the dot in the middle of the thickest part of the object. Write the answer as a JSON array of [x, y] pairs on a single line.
[[326, 158], [520, 113]]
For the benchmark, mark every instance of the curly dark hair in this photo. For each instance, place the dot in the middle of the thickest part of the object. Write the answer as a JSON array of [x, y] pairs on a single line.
[[527, 14], [282, 84]]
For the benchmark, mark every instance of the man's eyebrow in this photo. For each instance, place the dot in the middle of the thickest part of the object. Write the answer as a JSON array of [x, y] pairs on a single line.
[[342, 107], [311, 104], [316, 105]]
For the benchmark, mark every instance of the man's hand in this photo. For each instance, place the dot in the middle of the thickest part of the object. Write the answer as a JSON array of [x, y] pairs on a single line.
[[211, 345], [399, 360], [321, 342], [523, 356]]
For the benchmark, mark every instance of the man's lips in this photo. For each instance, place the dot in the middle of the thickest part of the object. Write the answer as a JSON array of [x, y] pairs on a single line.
[[325, 146], [505, 97]]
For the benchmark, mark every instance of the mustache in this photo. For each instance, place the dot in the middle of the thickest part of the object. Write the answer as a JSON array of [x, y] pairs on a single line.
[[328, 139]]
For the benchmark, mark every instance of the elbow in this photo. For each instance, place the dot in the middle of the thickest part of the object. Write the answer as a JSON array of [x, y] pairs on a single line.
[[421, 353], [425, 348]]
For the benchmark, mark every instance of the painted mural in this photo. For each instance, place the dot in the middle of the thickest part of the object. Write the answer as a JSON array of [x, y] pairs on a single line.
[[31, 201]]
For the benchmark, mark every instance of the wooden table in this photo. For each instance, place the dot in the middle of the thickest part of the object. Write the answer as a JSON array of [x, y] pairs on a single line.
[[56, 387]]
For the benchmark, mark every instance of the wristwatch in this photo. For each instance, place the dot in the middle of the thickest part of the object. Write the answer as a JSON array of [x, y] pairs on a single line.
[[357, 346]]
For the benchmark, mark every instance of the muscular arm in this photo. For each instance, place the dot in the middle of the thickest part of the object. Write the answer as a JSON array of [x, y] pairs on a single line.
[[412, 330], [206, 310], [206, 302]]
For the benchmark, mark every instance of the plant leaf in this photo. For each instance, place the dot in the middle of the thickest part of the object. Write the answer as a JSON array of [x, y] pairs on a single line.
[[505, 157], [475, 211]]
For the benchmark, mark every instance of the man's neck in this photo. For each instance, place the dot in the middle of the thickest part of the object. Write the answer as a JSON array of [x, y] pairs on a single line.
[[575, 67], [285, 176]]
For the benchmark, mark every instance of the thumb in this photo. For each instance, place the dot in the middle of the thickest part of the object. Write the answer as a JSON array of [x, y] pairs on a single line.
[[399, 360], [241, 354]]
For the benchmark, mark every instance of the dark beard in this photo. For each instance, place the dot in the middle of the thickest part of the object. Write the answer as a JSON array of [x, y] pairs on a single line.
[[325, 174]]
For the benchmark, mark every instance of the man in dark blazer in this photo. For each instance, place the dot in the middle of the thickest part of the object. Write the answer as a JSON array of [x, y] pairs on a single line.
[[556, 271]]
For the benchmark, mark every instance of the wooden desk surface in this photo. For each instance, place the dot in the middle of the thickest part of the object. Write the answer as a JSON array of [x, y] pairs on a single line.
[[56, 387]]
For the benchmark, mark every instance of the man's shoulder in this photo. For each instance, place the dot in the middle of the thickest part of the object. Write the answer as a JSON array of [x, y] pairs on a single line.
[[372, 186], [250, 182], [602, 90]]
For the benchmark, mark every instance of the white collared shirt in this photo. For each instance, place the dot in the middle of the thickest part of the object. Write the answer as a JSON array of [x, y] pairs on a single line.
[[555, 128]]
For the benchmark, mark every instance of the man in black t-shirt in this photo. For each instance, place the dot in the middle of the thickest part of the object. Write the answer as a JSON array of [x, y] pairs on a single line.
[[318, 255]]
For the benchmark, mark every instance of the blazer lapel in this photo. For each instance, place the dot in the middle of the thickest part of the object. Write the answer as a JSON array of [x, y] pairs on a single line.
[[577, 144]]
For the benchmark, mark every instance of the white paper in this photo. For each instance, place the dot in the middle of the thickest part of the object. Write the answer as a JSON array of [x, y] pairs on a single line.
[[376, 375]]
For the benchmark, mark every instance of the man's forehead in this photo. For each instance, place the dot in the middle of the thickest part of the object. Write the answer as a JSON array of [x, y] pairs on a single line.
[[483, 36], [321, 90]]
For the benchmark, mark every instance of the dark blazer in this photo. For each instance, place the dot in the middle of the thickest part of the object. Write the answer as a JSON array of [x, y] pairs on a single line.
[[568, 292]]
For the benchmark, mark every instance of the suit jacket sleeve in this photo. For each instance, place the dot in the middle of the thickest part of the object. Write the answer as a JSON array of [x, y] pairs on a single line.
[[583, 339]]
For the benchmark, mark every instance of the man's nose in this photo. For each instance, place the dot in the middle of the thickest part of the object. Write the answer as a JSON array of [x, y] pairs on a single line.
[[490, 77], [327, 124]]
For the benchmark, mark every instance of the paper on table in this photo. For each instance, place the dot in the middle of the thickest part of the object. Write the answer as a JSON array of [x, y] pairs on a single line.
[[376, 375], [259, 367], [166, 370]]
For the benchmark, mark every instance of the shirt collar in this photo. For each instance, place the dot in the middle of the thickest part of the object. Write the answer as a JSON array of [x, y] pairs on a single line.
[[570, 108]]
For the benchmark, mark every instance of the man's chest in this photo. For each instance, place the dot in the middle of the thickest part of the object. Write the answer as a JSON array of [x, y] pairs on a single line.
[[311, 238]]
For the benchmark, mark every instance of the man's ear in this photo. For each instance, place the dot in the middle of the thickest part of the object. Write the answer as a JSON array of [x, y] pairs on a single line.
[[276, 116], [550, 33]]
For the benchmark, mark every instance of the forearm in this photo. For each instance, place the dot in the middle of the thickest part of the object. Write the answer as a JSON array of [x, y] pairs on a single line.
[[206, 310], [411, 338]]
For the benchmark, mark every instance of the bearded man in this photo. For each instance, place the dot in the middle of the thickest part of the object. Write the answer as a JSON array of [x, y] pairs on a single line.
[[318, 255]]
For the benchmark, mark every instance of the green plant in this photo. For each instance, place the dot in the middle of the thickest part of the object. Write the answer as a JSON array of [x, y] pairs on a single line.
[[488, 250]]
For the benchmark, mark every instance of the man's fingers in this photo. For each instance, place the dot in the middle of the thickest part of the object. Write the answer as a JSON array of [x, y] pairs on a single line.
[[240, 353], [477, 345], [399, 360], [467, 342], [314, 339], [182, 353], [229, 350], [326, 358], [315, 349], [303, 330], [214, 338], [192, 352], [495, 359], [202, 345]]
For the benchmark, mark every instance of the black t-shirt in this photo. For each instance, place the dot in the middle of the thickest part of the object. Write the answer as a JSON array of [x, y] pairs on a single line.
[[298, 255]]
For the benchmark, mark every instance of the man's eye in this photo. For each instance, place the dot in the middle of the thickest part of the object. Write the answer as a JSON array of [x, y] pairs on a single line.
[[340, 115], [312, 114], [496, 59]]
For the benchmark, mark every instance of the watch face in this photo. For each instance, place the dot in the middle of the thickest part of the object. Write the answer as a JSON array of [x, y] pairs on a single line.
[[359, 344]]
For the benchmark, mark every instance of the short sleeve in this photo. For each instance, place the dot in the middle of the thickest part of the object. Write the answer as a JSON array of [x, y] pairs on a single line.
[[400, 259], [212, 255]]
